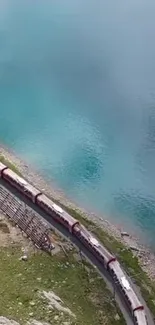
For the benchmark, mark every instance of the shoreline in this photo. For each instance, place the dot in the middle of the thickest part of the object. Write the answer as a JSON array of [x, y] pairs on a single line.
[[145, 256]]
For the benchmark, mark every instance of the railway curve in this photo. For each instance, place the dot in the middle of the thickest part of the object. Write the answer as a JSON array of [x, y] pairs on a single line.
[[89, 255]]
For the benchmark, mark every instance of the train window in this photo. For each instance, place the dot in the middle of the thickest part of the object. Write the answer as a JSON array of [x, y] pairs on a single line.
[[46, 206], [128, 300], [136, 320], [56, 214], [62, 217], [7, 176], [123, 290], [26, 191], [98, 253]]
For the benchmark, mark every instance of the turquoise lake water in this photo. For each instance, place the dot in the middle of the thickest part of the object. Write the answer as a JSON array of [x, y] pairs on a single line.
[[77, 100]]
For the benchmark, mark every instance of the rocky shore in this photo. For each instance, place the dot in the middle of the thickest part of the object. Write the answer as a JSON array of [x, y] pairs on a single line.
[[144, 254]]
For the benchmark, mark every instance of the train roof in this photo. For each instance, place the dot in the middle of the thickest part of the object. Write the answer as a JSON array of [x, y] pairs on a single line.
[[126, 284], [45, 199], [141, 316], [58, 209], [12, 174], [22, 181], [31, 188], [2, 166], [101, 249]]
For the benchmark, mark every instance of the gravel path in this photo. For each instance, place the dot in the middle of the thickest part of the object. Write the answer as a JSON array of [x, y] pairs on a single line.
[[146, 257]]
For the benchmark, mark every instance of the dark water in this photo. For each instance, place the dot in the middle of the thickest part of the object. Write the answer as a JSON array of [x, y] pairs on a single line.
[[77, 99]]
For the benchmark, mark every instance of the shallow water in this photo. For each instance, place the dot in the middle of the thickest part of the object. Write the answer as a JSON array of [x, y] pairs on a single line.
[[77, 99]]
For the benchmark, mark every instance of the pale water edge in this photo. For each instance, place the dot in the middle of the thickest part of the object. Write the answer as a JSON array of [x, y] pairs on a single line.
[[77, 100]]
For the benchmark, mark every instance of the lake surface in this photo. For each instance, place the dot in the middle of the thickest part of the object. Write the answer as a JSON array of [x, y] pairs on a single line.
[[77, 100]]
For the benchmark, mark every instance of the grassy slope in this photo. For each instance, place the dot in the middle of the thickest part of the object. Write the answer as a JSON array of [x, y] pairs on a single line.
[[21, 283], [124, 255]]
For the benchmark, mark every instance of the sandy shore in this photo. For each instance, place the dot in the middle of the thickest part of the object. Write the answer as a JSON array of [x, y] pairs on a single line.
[[146, 257]]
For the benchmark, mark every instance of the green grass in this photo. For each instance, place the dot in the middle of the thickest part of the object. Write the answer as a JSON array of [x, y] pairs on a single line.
[[79, 286], [10, 164]]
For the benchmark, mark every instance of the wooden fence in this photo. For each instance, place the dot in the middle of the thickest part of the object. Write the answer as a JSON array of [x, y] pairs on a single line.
[[26, 219]]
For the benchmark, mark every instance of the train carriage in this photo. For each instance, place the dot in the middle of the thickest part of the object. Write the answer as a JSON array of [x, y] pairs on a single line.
[[2, 167], [20, 184], [125, 289], [100, 252], [140, 317], [56, 212]]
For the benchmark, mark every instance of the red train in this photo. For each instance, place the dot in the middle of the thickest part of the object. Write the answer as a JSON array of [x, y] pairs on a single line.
[[88, 240]]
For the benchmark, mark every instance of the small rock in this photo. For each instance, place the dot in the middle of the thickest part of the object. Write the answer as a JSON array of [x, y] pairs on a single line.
[[145, 263], [38, 279], [134, 248], [56, 317], [117, 317], [52, 246], [32, 303], [30, 314], [124, 233], [123, 249], [24, 258], [20, 303]]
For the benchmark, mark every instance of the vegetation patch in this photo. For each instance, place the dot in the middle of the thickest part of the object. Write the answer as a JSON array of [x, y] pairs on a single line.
[[4, 227], [24, 283], [10, 164]]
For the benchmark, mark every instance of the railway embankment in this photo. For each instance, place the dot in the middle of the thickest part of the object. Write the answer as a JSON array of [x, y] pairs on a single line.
[[138, 260]]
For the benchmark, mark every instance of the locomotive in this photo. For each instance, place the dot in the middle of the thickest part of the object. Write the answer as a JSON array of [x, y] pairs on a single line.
[[92, 244]]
